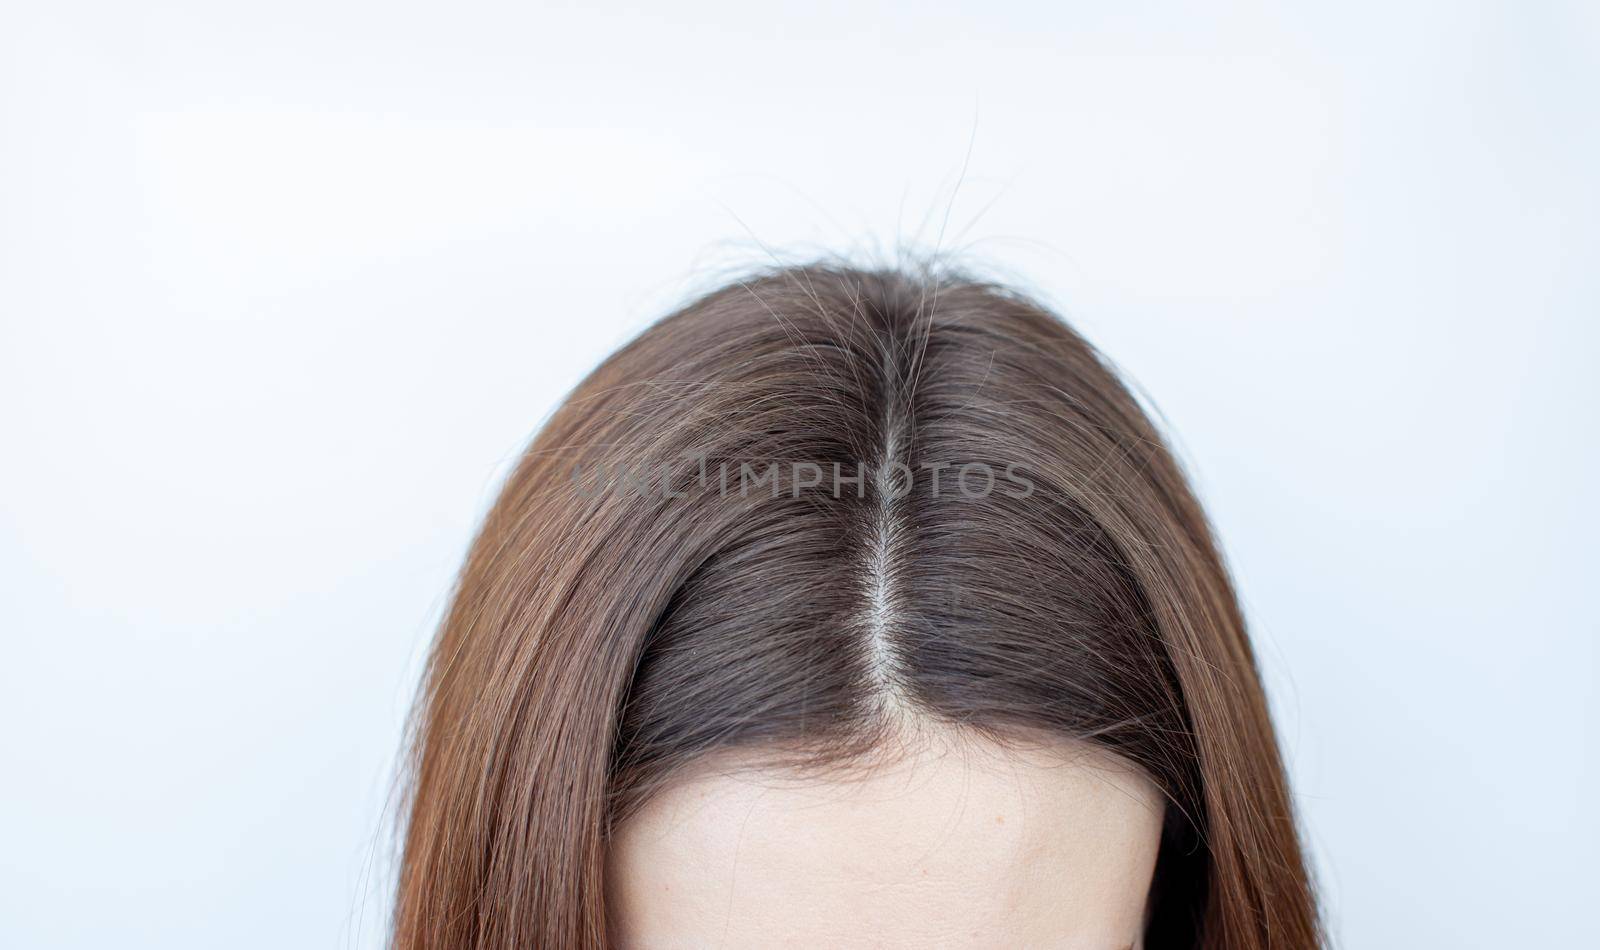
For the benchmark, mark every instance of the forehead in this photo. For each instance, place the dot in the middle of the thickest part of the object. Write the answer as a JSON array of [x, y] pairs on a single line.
[[959, 845]]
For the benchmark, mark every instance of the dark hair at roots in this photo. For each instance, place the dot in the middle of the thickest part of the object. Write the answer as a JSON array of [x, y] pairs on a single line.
[[600, 640]]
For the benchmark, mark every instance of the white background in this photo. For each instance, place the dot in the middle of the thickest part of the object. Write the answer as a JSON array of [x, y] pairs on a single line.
[[284, 288]]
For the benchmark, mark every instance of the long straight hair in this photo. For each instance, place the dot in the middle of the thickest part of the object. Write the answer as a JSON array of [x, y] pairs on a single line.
[[803, 509]]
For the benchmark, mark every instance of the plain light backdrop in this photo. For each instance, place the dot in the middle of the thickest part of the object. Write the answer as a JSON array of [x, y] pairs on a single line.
[[284, 288]]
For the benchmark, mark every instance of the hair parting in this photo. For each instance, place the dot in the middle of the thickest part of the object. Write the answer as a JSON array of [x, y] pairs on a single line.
[[598, 642]]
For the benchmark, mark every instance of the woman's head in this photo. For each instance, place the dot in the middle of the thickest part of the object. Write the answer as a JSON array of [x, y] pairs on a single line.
[[812, 529]]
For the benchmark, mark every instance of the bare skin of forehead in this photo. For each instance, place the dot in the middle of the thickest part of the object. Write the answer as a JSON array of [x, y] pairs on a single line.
[[947, 843]]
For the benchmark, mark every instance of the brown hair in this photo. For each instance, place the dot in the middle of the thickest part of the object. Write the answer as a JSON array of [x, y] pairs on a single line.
[[604, 634]]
